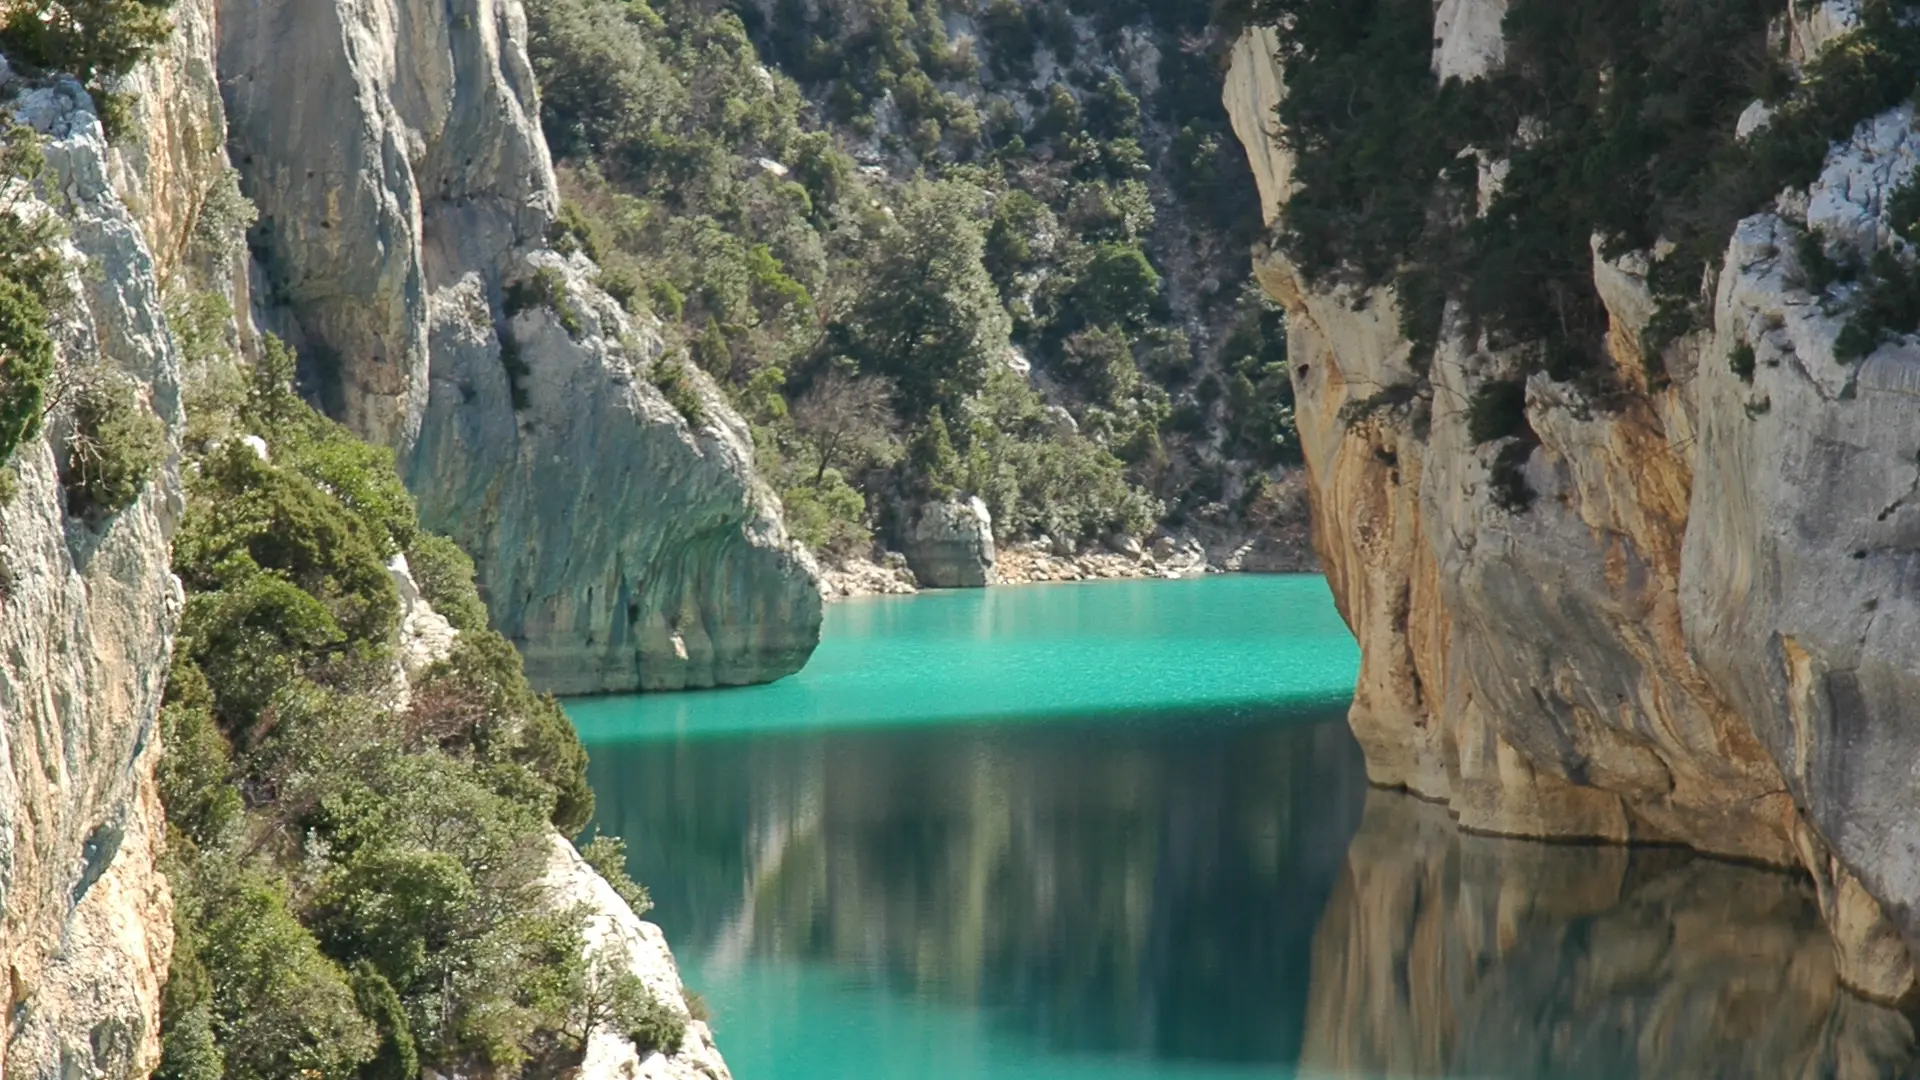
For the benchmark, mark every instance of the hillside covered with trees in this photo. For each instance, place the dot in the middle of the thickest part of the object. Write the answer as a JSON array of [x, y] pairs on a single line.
[[936, 247]]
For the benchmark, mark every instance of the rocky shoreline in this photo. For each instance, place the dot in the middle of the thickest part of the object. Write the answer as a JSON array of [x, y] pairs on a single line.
[[1038, 563]]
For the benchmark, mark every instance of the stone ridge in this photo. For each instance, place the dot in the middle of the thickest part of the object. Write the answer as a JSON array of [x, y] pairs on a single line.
[[405, 196], [1699, 632]]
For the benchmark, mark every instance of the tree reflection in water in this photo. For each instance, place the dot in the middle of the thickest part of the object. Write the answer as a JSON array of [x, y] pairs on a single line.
[[1185, 891]]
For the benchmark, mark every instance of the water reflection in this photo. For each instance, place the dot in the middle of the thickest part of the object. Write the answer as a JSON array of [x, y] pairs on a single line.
[[1229, 895], [1141, 890], [1443, 954]]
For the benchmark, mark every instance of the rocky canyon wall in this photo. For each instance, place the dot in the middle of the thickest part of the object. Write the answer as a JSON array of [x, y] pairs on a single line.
[[621, 545], [87, 613], [1701, 630], [405, 195]]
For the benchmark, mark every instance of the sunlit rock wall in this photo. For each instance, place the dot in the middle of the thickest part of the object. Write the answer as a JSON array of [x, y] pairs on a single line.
[[1698, 632], [87, 613], [394, 150]]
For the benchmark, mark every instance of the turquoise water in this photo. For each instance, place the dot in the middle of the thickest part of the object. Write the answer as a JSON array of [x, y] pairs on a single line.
[[1220, 646], [1121, 831]]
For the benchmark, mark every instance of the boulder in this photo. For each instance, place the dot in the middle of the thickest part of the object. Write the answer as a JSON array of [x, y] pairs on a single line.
[[949, 544]]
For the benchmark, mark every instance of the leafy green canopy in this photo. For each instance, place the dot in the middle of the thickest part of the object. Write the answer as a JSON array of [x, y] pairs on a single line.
[[1617, 120], [357, 881], [32, 284], [713, 195], [97, 41]]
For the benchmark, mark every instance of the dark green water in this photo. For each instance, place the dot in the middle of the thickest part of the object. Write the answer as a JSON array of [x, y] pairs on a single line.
[[1121, 831]]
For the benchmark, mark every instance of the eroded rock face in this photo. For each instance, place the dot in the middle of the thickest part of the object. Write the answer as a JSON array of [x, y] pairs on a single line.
[[404, 188], [1696, 633], [86, 621], [949, 544], [1801, 545]]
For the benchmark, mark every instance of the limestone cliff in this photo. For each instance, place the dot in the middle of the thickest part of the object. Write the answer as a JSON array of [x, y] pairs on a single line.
[[405, 195], [1697, 633], [87, 613]]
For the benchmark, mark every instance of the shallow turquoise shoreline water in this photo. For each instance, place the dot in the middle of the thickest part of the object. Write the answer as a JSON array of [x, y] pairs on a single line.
[[1219, 646]]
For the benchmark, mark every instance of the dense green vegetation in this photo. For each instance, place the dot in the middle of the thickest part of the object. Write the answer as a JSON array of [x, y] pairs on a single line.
[[115, 444], [31, 283], [356, 876], [1618, 121], [96, 41], [992, 213]]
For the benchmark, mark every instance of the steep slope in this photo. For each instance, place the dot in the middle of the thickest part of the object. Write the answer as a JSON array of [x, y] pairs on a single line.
[[87, 613], [1656, 598], [136, 277], [405, 198], [937, 251]]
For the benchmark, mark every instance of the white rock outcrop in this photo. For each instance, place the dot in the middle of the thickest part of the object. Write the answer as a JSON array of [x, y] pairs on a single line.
[[949, 544], [426, 637], [405, 194], [1254, 89], [612, 925], [1469, 38]]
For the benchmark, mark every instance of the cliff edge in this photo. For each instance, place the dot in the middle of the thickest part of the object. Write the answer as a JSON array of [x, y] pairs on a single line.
[[87, 614], [1693, 627]]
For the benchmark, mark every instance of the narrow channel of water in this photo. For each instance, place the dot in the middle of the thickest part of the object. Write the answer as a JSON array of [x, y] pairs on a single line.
[[1121, 831]]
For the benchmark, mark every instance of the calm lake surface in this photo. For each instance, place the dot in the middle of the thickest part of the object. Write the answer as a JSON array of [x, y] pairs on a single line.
[[1121, 831]]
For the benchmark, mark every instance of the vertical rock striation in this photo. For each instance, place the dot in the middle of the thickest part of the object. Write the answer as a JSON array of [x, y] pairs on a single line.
[[87, 614], [1699, 632], [405, 194]]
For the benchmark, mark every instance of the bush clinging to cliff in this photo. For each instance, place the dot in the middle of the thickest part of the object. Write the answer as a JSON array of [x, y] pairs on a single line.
[[391, 856], [32, 285], [1614, 120]]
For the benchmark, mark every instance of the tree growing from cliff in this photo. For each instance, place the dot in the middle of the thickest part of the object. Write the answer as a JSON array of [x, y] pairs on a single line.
[[92, 39], [95, 40], [32, 284]]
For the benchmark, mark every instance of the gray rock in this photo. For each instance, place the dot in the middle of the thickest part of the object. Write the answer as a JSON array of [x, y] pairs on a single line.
[[404, 186], [949, 545], [426, 637], [614, 930], [86, 624], [1803, 538]]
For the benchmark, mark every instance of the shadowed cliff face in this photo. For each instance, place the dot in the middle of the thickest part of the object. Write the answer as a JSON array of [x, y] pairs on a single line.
[[1446, 954], [394, 151], [1698, 632]]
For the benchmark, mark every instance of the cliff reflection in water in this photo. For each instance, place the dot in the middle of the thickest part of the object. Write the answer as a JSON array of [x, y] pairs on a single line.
[[1445, 954], [1183, 892]]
